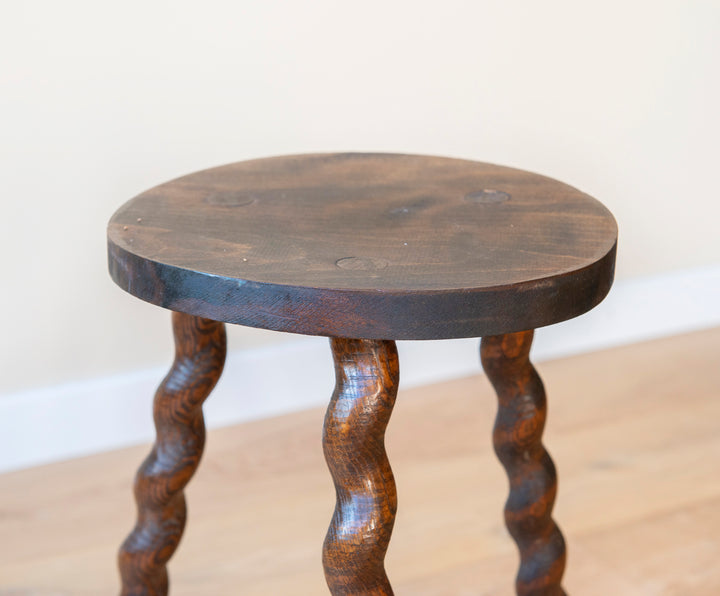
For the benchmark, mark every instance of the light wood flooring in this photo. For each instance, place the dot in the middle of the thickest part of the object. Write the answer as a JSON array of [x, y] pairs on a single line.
[[634, 431]]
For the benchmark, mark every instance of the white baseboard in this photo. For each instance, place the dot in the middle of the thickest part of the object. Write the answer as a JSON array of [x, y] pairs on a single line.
[[61, 422]]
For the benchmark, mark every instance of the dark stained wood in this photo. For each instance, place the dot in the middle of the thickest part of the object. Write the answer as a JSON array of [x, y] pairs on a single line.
[[366, 249], [367, 245], [354, 445], [533, 482], [199, 358]]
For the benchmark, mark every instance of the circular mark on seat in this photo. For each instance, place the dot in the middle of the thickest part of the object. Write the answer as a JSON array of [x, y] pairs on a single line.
[[487, 195], [230, 198], [361, 263]]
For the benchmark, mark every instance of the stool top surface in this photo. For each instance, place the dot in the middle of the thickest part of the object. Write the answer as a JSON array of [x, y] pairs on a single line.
[[377, 246]]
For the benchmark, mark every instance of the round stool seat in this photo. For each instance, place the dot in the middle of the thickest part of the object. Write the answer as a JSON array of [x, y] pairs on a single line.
[[367, 246]]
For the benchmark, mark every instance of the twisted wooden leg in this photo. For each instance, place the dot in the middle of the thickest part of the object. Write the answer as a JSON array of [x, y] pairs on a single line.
[[354, 445], [199, 359], [533, 482]]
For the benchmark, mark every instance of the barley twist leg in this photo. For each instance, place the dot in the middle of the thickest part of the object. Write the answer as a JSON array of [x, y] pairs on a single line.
[[533, 481], [353, 442], [159, 484]]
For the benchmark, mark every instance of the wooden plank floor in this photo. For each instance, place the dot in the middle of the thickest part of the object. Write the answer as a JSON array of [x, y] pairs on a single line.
[[635, 433]]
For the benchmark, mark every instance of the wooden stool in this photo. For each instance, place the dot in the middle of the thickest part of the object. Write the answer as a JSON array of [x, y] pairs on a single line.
[[365, 249]]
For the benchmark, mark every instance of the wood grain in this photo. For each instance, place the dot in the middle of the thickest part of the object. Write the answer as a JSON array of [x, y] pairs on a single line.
[[375, 246], [639, 502], [533, 483], [199, 357], [354, 445]]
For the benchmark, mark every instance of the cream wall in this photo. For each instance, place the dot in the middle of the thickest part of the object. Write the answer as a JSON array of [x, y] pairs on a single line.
[[100, 101]]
